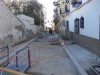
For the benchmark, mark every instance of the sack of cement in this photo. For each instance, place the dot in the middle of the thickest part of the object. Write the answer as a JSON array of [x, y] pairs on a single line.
[[53, 40]]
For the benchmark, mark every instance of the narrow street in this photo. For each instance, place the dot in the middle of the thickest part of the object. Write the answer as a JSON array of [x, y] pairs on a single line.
[[54, 37], [46, 59], [50, 60]]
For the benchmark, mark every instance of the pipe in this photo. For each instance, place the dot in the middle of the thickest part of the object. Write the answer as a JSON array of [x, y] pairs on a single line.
[[11, 71]]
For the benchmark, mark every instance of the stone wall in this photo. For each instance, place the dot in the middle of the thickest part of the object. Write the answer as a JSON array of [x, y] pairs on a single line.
[[12, 30], [8, 22]]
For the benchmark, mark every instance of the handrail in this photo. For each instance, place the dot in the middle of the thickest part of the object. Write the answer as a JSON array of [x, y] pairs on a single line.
[[11, 71], [6, 48]]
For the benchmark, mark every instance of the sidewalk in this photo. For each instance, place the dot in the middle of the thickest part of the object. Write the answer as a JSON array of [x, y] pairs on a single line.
[[84, 57]]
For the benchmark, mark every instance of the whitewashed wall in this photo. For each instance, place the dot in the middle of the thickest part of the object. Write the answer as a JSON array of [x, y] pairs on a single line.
[[28, 22], [90, 12], [8, 22]]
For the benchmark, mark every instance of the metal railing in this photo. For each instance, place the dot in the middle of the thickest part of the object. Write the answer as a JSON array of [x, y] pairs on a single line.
[[11, 72], [28, 62], [5, 50]]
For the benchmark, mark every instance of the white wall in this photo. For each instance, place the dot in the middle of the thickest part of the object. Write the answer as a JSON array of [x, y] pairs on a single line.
[[90, 12], [26, 18], [8, 22], [29, 23]]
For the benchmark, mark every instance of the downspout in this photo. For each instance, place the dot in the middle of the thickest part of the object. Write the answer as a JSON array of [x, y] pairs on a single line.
[[79, 7]]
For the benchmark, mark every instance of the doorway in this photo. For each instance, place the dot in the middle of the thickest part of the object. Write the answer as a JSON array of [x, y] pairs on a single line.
[[76, 26]]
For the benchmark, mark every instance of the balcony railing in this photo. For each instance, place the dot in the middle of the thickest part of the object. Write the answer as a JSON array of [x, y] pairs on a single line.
[[67, 8], [76, 3]]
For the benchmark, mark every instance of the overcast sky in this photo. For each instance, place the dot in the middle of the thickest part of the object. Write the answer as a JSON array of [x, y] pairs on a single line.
[[48, 4]]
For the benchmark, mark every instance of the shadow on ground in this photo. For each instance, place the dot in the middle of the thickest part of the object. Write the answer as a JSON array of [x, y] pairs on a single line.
[[35, 73]]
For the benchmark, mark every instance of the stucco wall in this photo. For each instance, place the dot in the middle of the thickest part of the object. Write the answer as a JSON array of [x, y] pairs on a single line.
[[14, 30], [90, 12], [8, 22], [28, 22]]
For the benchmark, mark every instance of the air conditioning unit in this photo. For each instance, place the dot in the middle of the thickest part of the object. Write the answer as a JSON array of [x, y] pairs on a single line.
[[76, 3]]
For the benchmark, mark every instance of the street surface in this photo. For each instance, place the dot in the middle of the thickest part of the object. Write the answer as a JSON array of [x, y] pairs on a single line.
[[49, 59], [46, 59]]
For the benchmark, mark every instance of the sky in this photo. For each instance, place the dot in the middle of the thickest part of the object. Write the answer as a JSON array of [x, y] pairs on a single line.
[[48, 4]]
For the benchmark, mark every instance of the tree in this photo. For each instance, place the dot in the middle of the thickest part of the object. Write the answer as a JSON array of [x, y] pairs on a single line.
[[32, 9]]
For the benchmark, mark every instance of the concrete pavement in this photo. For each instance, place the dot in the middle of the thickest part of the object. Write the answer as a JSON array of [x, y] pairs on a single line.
[[50, 60], [85, 58]]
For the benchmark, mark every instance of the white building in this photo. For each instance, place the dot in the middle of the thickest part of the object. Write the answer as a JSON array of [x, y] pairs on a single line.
[[29, 23], [91, 14], [83, 24]]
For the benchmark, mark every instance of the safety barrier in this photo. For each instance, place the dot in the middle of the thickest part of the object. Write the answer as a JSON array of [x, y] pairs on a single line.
[[15, 61], [25, 53], [11, 72], [4, 55], [20, 62], [23, 60]]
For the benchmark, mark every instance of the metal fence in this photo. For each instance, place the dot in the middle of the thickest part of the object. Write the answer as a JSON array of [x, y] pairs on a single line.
[[4, 55]]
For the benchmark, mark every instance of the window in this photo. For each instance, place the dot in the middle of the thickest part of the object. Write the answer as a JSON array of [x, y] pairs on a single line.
[[67, 25], [82, 22], [76, 26]]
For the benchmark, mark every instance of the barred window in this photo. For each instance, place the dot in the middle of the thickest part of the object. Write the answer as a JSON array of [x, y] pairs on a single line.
[[76, 26], [82, 22], [67, 25]]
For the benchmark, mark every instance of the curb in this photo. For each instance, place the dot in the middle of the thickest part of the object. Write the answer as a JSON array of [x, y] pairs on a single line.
[[80, 69]]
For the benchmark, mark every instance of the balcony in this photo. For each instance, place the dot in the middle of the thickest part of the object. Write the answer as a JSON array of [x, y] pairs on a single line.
[[55, 10], [56, 3], [56, 18], [67, 8], [76, 3]]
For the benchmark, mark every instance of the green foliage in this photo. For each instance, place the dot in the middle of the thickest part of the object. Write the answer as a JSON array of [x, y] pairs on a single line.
[[32, 9]]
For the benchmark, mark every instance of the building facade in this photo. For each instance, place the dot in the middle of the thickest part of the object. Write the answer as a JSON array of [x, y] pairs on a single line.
[[82, 23], [59, 15]]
